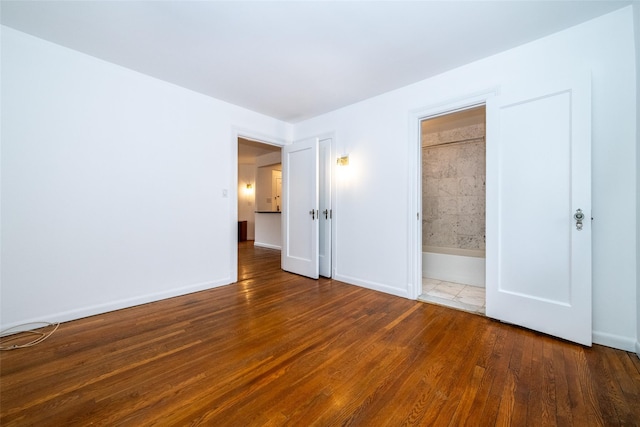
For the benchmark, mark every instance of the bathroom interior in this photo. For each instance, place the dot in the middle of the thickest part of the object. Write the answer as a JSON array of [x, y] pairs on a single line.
[[453, 209]]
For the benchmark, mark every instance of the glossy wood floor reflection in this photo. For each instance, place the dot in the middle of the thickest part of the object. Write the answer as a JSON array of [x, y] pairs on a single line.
[[279, 349]]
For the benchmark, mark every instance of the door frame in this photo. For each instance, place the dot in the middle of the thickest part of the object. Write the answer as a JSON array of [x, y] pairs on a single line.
[[414, 228], [232, 192]]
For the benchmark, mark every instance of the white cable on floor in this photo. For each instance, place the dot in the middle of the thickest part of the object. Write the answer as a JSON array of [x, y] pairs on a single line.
[[41, 335]]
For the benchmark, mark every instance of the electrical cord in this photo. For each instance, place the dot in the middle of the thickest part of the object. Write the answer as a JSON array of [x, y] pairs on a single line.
[[41, 335]]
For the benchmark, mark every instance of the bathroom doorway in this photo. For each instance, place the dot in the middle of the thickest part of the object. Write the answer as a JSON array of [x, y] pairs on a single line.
[[453, 157]]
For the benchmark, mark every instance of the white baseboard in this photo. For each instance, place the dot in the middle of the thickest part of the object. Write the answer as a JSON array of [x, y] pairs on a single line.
[[615, 341], [638, 348], [267, 245], [372, 285], [79, 313]]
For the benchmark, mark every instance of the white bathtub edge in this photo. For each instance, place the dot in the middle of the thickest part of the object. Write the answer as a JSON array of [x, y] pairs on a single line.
[[454, 268]]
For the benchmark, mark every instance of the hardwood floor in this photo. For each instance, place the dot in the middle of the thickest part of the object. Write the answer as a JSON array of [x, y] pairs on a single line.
[[279, 349]]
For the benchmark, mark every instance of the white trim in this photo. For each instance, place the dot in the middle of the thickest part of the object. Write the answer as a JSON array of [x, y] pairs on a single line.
[[267, 245], [259, 137], [233, 208], [614, 341], [372, 285], [414, 229], [92, 310], [238, 132], [414, 224]]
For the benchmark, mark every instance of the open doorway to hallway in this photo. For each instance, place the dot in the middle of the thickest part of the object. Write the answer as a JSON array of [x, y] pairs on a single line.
[[259, 193], [453, 209]]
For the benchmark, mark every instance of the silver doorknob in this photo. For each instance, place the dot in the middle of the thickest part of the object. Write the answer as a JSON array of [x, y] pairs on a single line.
[[578, 216]]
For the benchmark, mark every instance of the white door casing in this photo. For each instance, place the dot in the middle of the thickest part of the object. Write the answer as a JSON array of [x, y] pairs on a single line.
[[326, 214], [414, 238], [300, 210], [538, 176]]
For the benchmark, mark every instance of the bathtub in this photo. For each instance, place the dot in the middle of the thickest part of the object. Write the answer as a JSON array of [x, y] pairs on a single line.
[[466, 266]]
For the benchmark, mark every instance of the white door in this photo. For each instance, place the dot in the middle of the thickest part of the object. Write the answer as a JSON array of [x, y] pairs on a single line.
[[300, 211], [538, 178], [324, 174]]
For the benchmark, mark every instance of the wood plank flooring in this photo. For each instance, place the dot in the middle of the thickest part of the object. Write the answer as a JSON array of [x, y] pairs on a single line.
[[279, 349]]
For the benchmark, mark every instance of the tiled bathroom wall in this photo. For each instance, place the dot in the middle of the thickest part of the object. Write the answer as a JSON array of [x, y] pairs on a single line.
[[453, 188]]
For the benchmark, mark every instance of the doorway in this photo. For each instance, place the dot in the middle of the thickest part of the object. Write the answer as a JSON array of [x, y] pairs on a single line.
[[453, 193], [261, 210], [258, 211]]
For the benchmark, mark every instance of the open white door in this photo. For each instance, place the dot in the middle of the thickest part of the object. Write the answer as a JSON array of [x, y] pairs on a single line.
[[538, 178], [326, 214], [300, 213]]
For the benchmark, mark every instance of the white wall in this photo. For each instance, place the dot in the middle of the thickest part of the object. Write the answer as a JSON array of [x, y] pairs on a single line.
[[266, 164], [246, 199], [112, 184], [269, 159], [112, 181], [269, 230], [264, 195], [373, 213]]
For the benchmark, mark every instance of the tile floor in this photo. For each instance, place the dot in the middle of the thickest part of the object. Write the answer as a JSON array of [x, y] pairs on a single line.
[[463, 297]]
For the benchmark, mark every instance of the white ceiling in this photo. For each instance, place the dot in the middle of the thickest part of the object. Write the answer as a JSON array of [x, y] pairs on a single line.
[[295, 60]]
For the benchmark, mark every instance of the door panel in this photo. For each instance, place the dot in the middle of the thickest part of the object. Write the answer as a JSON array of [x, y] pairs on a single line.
[[300, 208], [324, 173], [538, 175]]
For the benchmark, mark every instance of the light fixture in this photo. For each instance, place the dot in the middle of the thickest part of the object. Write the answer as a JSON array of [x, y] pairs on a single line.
[[343, 161], [248, 189]]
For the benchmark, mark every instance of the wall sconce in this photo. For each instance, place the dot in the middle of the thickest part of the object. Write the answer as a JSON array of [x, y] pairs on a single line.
[[343, 161], [248, 189]]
